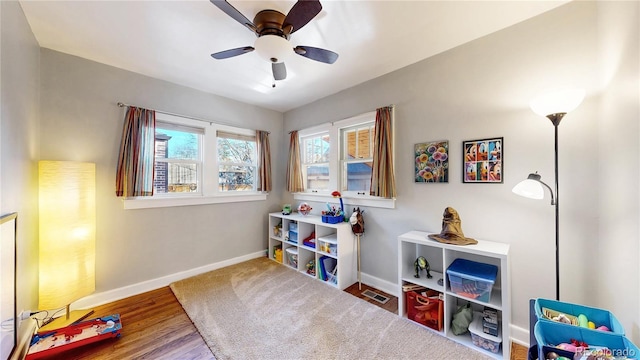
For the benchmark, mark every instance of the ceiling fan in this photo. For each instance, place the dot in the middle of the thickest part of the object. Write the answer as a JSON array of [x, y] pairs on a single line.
[[273, 30]]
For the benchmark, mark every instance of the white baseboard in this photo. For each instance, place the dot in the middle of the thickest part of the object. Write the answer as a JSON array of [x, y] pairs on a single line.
[[105, 297], [520, 336], [380, 284]]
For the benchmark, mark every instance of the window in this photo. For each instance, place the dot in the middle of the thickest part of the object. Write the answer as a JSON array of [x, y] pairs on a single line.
[[346, 167], [178, 160], [356, 158], [201, 163], [237, 162], [315, 161]]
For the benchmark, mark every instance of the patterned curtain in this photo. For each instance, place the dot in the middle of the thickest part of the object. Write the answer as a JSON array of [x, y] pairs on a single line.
[[264, 161], [294, 172], [383, 182], [135, 171]]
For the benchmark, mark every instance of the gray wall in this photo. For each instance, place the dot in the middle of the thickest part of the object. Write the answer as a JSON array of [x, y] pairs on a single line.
[[80, 121], [618, 250], [19, 88], [482, 89]]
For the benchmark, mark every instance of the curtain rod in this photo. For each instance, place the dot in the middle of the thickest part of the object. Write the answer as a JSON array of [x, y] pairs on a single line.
[[121, 104], [392, 107]]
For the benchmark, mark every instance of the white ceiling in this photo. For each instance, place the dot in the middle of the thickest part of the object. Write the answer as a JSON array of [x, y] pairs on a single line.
[[173, 40]]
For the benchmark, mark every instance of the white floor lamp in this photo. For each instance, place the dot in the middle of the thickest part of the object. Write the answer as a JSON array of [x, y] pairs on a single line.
[[554, 105]]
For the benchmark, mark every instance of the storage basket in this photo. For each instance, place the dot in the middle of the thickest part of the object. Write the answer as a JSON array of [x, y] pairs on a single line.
[[548, 334], [546, 309], [426, 310], [292, 257], [332, 219], [480, 339], [472, 279], [328, 244]]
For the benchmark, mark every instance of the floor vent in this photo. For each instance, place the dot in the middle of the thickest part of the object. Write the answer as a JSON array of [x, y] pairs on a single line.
[[375, 296]]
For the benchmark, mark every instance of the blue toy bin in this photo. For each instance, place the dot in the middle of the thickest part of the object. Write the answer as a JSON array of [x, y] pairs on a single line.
[[597, 316], [548, 334]]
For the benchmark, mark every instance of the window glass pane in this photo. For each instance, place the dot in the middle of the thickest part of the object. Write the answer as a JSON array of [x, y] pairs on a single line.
[[236, 178], [317, 177], [358, 176], [364, 143], [174, 144], [236, 151], [315, 149], [350, 142], [325, 149], [175, 177]]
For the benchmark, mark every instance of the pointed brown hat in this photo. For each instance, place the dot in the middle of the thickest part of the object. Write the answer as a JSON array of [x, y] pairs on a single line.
[[452, 230]]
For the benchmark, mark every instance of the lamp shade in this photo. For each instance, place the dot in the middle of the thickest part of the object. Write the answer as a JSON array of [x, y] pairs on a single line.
[[529, 188], [67, 232], [557, 102], [273, 48]]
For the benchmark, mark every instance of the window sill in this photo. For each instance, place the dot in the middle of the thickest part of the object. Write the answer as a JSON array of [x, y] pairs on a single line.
[[367, 201], [142, 203]]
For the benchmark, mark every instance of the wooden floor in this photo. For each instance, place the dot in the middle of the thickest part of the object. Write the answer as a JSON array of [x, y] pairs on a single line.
[[154, 326]]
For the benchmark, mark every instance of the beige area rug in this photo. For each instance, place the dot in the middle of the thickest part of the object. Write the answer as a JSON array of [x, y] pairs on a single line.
[[260, 309]]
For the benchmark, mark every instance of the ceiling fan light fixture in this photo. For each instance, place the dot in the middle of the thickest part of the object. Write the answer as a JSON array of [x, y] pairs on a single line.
[[273, 48]]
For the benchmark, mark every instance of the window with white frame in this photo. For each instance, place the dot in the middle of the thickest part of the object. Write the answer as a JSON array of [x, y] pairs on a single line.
[[201, 163], [346, 167], [178, 160], [314, 161], [356, 158], [237, 162]]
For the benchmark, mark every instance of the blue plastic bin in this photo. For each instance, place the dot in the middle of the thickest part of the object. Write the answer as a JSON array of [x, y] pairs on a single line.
[[597, 316], [472, 279], [548, 334]]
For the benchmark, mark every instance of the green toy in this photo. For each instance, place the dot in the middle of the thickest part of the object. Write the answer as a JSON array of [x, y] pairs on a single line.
[[422, 264]]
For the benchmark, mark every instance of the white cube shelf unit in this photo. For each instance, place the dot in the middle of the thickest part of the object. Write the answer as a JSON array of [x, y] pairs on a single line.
[[413, 244], [337, 240]]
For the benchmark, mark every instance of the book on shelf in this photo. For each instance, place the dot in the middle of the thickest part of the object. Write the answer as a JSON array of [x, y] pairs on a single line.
[[328, 267]]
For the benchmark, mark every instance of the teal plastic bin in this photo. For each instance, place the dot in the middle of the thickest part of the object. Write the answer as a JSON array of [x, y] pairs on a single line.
[[548, 334], [598, 316]]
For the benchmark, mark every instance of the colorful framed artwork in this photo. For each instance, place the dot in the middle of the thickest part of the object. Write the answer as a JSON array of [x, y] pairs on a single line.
[[431, 161], [483, 161]]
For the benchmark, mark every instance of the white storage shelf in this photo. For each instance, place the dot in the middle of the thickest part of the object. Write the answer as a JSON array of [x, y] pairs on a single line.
[[413, 244], [339, 236]]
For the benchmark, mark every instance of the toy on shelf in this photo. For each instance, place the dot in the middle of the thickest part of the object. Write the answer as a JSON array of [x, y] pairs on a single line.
[[73, 336], [286, 209], [311, 267], [422, 264], [304, 209], [310, 240], [277, 230], [338, 195]]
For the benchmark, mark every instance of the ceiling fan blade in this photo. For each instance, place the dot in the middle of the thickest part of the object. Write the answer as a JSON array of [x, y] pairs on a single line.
[[317, 54], [279, 71], [300, 14], [232, 52], [234, 13]]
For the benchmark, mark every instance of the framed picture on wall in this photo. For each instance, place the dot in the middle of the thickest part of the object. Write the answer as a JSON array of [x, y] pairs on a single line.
[[431, 162], [483, 161]]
